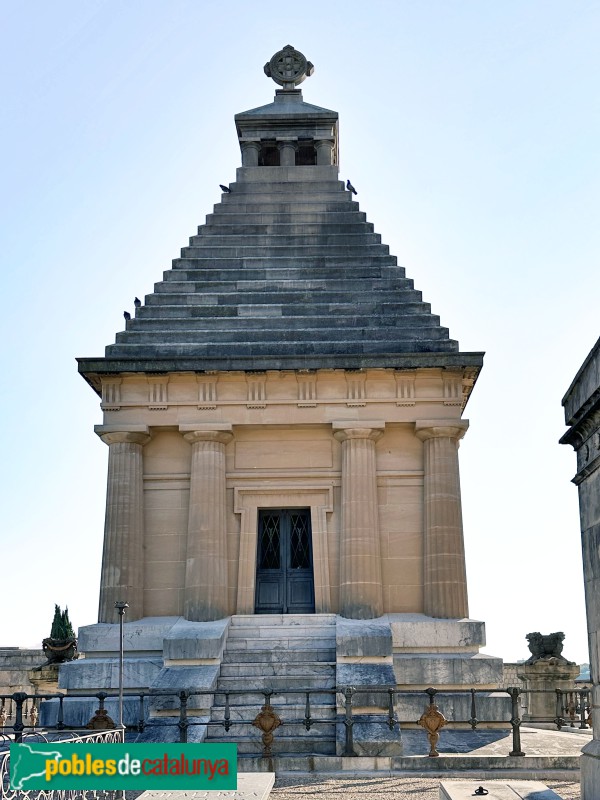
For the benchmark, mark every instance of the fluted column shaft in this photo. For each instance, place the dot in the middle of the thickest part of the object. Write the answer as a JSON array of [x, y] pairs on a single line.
[[206, 561], [445, 577], [123, 554], [361, 594]]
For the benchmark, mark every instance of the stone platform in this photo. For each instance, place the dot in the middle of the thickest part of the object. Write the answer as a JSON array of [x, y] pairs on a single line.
[[250, 787]]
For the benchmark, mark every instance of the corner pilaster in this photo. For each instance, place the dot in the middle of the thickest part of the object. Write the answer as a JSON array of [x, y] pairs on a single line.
[[445, 578], [122, 576]]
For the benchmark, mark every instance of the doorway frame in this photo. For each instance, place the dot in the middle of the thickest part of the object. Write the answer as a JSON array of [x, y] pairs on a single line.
[[248, 501]]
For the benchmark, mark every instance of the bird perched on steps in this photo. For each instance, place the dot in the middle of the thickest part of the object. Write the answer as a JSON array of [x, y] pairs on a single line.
[[350, 188], [127, 316], [137, 302], [225, 189]]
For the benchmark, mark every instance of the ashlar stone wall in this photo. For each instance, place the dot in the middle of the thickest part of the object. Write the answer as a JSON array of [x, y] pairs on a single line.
[[372, 453]]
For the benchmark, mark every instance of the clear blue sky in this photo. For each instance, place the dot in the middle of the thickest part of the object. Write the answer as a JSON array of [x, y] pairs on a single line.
[[471, 130]]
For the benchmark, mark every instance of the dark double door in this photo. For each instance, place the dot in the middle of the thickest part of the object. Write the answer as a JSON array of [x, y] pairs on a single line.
[[284, 566]]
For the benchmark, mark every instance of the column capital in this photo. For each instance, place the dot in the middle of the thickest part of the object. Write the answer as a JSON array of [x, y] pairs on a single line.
[[193, 434], [352, 429], [441, 428], [134, 434]]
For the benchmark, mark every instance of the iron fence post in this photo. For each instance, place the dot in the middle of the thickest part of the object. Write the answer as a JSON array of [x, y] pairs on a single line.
[[142, 715], [515, 722], [307, 717], [473, 720], [391, 718], [559, 720], [60, 722], [19, 698], [583, 708], [183, 722], [349, 722], [227, 714]]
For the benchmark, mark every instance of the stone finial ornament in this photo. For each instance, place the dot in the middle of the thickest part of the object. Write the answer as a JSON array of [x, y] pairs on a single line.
[[288, 68], [545, 647]]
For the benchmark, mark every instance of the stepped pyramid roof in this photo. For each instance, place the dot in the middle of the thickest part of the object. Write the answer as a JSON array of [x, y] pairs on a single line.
[[285, 274]]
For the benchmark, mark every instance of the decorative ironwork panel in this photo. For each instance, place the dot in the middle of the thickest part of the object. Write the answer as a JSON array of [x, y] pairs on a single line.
[[299, 542], [270, 542]]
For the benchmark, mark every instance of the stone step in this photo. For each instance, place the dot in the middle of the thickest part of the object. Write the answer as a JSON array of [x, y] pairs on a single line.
[[283, 620], [290, 251], [230, 217], [199, 306], [323, 713], [321, 205], [283, 745], [255, 699], [274, 631], [281, 682], [180, 283], [238, 656], [298, 188], [322, 729], [285, 260], [318, 325], [322, 239], [304, 642], [245, 227], [263, 335], [258, 350], [266, 668], [309, 273], [203, 296]]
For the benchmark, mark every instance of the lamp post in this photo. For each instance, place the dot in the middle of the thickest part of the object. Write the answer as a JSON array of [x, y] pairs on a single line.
[[121, 605]]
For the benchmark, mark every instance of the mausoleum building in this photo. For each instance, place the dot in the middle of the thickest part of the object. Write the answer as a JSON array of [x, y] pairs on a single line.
[[282, 416]]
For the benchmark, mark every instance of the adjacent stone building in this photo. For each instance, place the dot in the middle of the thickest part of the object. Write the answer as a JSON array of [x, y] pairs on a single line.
[[282, 417], [582, 415]]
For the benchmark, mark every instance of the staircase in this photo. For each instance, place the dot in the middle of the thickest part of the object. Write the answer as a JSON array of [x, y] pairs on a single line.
[[278, 652]]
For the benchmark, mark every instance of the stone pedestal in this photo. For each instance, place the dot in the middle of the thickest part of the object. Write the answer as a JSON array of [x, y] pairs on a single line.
[[123, 556], [361, 595], [445, 579], [206, 561], [44, 679], [541, 680]]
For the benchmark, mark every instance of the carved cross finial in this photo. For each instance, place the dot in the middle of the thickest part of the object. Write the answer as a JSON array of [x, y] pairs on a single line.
[[288, 68]]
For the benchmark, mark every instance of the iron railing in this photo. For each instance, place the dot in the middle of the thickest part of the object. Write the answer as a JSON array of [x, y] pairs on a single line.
[[115, 735], [347, 703]]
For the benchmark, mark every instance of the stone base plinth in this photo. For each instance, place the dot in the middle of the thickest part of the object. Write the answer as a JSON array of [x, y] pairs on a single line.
[[44, 679], [590, 770], [541, 680]]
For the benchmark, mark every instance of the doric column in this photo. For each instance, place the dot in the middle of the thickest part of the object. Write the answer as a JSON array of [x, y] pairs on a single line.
[[445, 578], [206, 560], [287, 153], [324, 148], [250, 153], [123, 555], [361, 595]]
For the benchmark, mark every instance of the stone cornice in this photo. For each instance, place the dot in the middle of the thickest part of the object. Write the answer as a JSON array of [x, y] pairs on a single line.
[[582, 430]]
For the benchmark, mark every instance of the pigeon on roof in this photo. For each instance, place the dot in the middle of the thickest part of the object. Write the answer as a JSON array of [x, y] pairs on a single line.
[[350, 187], [137, 302], [127, 316], [225, 189]]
